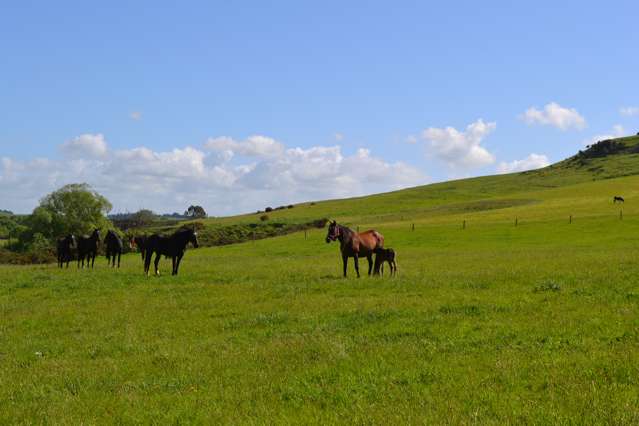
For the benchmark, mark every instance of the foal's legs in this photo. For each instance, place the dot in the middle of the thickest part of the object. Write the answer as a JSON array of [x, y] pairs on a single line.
[[370, 263], [119, 255]]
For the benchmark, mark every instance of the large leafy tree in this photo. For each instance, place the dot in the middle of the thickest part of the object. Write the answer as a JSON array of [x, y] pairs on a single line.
[[195, 211], [74, 208]]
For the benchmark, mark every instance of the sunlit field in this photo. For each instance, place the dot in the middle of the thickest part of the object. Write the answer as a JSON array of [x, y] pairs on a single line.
[[491, 323]]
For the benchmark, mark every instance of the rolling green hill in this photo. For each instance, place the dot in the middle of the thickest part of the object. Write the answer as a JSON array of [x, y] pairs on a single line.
[[490, 323], [525, 194]]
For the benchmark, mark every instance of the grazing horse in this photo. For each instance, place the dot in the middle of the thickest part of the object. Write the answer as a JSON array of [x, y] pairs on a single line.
[[88, 247], [355, 245], [383, 255], [172, 246], [113, 245], [618, 198], [139, 241], [64, 249]]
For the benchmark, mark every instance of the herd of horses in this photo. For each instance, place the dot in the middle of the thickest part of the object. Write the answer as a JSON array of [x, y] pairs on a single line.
[[352, 244], [172, 246]]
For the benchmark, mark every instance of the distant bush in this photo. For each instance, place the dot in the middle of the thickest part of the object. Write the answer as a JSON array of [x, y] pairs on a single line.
[[264, 217], [290, 206], [268, 209]]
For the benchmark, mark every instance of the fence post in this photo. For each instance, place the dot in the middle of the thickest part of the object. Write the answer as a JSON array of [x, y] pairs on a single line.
[[570, 219], [413, 227], [464, 224], [516, 219]]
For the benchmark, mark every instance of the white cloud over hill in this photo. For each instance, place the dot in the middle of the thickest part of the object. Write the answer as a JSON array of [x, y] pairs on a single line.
[[225, 175]]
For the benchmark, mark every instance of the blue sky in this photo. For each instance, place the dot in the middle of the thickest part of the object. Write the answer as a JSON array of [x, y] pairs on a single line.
[[239, 105]]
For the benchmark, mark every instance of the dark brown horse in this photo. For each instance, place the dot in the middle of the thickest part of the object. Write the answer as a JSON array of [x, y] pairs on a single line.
[[355, 245], [88, 248], [113, 245], [64, 249], [139, 241], [172, 246]]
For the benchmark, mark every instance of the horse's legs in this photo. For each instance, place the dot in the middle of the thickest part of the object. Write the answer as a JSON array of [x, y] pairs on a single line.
[[345, 261], [147, 265], [173, 262], [370, 263], [157, 261], [356, 260], [177, 265], [119, 255]]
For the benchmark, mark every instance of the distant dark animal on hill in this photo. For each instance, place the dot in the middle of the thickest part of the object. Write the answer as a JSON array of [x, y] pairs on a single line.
[[88, 248], [139, 242], [172, 246], [618, 198], [64, 249], [355, 245], [382, 256], [113, 245]]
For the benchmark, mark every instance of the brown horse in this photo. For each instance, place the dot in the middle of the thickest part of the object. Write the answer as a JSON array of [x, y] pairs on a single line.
[[355, 245]]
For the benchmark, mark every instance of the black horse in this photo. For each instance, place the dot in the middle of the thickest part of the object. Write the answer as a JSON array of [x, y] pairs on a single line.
[[139, 242], [113, 245], [88, 247], [618, 198], [383, 255], [64, 249], [172, 246]]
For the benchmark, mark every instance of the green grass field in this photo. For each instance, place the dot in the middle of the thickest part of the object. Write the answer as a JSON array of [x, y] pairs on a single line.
[[494, 323]]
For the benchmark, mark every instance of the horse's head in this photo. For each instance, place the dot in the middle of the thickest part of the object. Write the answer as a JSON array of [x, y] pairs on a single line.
[[193, 238], [71, 240], [96, 234], [132, 243], [333, 232]]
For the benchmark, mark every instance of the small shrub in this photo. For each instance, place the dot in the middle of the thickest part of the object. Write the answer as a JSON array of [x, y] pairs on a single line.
[[268, 209], [290, 206], [264, 217], [548, 286]]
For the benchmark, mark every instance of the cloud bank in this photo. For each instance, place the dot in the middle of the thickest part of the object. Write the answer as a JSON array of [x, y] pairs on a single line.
[[225, 176]]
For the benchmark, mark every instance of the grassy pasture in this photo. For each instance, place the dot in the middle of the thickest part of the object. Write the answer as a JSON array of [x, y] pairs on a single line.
[[489, 324]]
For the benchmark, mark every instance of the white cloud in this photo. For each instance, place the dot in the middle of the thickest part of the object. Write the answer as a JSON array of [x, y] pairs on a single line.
[[338, 136], [616, 132], [253, 146], [461, 149], [629, 111], [226, 176], [86, 145], [533, 161], [136, 115], [555, 115]]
